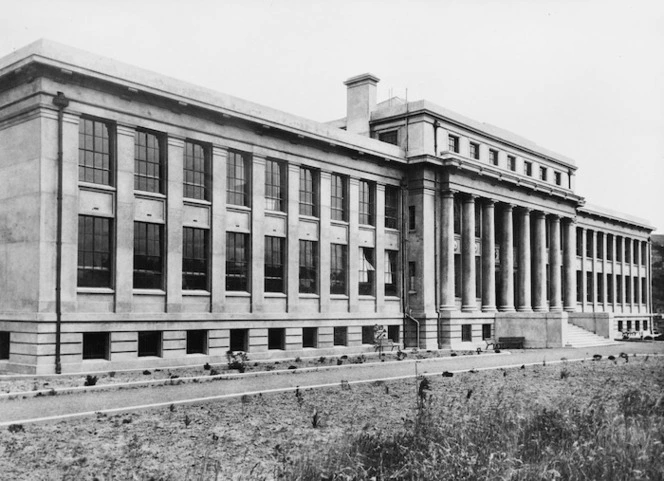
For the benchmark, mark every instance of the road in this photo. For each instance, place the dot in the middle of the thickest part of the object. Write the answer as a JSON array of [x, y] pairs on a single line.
[[67, 406]]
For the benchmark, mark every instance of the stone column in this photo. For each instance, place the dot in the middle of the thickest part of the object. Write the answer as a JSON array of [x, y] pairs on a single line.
[[569, 263], [506, 302], [623, 299], [218, 230], [324, 240], [468, 295], [539, 263], [257, 190], [584, 283], [593, 260], [173, 228], [638, 296], [614, 292], [353, 243], [555, 297], [631, 274], [488, 257], [524, 263], [604, 297], [447, 251], [293, 238]]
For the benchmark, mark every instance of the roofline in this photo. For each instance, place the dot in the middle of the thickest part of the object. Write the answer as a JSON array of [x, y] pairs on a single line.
[[595, 210]]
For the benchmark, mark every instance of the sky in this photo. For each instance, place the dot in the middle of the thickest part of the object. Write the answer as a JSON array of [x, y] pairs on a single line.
[[584, 78]]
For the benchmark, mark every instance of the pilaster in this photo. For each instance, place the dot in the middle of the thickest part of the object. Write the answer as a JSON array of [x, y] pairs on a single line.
[[555, 297], [447, 251], [569, 264], [218, 230], [324, 240], [539, 263], [173, 227], [379, 239], [257, 190], [353, 244]]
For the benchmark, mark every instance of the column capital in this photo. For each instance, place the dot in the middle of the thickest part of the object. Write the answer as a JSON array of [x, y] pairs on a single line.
[[449, 193], [470, 198], [259, 159], [539, 214], [488, 201]]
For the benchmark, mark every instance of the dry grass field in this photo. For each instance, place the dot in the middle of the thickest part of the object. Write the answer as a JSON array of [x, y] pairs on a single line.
[[584, 420]]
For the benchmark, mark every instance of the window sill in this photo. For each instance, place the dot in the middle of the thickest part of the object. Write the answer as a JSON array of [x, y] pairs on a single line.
[[367, 226], [365, 297], [92, 186], [392, 298], [305, 295], [238, 294], [343, 297], [276, 213], [309, 218], [149, 195], [392, 229], [95, 290], [149, 292], [238, 208], [339, 222], [195, 293], [196, 202], [91, 361], [275, 295]]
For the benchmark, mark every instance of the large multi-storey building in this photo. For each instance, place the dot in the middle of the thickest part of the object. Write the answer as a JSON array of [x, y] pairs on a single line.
[[146, 221]]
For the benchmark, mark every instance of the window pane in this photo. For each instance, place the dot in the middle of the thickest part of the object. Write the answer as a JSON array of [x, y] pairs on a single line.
[[196, 171], [148, 163], [391, 207], [195, 259], [308, 267], [274, 264], [339, 198], [94, 252], [308, 192], [237, 258], [275, 186], [338, 268], [367, 194], [94, 152], [148, 261], [367, 272], [237, 176]]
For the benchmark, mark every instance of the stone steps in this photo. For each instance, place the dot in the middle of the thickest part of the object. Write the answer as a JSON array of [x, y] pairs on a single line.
[[579, 337]]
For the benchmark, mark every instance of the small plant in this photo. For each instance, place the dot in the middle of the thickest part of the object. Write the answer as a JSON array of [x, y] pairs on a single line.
[[15, 428], [214, 372], [401, 355], [298, 359], [315, 419], [564, 373], [345, 385], [52, 392], [298, 396], [171, 408], [237, 360], [597, 357], [424, 387], [187, 420], [321, 359], [90, 380], [146, 373], [207, 366], [339, 362], [111, 374]]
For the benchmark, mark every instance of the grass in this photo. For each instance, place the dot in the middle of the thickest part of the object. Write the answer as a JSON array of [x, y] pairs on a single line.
[[601, 420]]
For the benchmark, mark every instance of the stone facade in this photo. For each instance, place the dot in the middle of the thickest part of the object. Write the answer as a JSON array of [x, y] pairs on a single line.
[[149, 222]]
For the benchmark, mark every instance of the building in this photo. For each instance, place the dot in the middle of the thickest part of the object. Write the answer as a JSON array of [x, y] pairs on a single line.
[[149, 222]]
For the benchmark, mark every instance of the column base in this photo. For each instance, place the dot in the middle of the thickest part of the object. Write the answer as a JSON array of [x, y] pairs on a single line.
[[540, 309], [468, 308], [489, 309], [555, 309], [506, 309], [448, 308], [524, 309]]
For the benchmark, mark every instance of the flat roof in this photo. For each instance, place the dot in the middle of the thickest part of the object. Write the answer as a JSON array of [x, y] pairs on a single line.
[[612, 214]]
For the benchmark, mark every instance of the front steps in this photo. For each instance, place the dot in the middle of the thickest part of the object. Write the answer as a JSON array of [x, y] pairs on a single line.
[[578, 337]]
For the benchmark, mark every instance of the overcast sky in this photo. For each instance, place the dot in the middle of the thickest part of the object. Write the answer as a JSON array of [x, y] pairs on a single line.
[[582, 78]]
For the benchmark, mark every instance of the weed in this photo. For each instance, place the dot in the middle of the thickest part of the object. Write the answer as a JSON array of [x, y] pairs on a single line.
[[146, 373], [111, 374], [321, 360], [564, 373], [214, 372], [207, 366], [345, 385], [171, 408], [298, 396], [237, 360], [15, 428], [339, 362], [298, 359], [315, 419], [187, 420], [90, 380]]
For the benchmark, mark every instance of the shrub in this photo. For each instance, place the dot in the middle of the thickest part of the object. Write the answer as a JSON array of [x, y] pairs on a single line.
[[90, 380], [237, 360]]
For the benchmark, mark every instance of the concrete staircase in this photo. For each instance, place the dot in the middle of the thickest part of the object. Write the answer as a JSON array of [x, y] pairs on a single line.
[[578, 337]]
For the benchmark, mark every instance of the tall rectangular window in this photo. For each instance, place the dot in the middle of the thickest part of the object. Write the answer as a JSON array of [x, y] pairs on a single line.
[[619, 249], [237, 261], [609, 247], [391, 207], [644, 291], [338, 268], [600, 245], [4, 345], [493, 157], [196, 171], [391, 273], [195, 259], [367, 202], [339, 207], [528, 168], [486, 331], [149, 162], [619, 289], [95, 152], [367, 272], [609, 289], [589, 287], [238, 176], [453, 143], [543, 173], [412, 219], [590, 239], [275, 185], [466, 332], [148, 256], [558, 178], [309, 337], [474, 151], [628, 250], [308, 267], [274, 264], [511, 163], [308, 192], [94, 251]]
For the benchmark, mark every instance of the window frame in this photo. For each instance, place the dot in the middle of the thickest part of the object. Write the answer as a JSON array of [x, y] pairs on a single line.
[[101, 256], [493, 157], [274, 278], [145, 335], [276, 187], [339, 269], [466, 333], [238, 259], [367, 270], [474, 150], [309, 189], [89, 154], [238, 179], [511, 163], [391, 289], [367, 203], [453, 143], [308, 267], [528, 168], [153, 182], [142, 262], [195, 259], [196, 173], [392, 202], [339, 198], [104, 340]]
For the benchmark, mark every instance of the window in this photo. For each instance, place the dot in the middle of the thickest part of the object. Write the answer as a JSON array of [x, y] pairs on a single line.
[[391, 207], [309, 337], [368, 335], [94, 251], [474, 151], [629, 325], [308, 192], [486, 331], [95, 152], [237, 179], [619, 289], [645, 325], [411, 217], [391, 137], [637, 297], [579, 241], [589, 286], [276, 338], [600, 245], [635, 253], [644, 253], [237, 261], [149, 343], [393, 333], [340, 336], [511, 163], [579, 286], [308, 267], [4, 345], [96, 345], [275, 186], [600, 287], [628, 250], [644, 291], [338, 265], [148, 257], [391, 273], [589, 243], [609, 247], [239, 340], [197, 341], [558, 178], [543, 173], [528, 168], [620, 326], [196, 171], [493, 156], [609, 289], [367, 273], [149, 162], [466, 332], [339, 198], [195, 259], [367, 202], [619, 249], [274, 264], [637, 325], [457, 215], [453, 143]]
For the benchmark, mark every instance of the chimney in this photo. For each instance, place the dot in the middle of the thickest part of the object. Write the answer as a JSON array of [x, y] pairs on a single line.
[[360, 102]]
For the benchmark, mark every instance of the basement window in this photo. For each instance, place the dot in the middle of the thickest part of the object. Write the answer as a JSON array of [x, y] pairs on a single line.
[[393, 333], [197, 341], [96, 345], [620, 326], [239, 340], [340, 336], [276, 338], [4, 345], [367, 335], [486, 331], [149, 344], [466, 332], [309, 337]]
